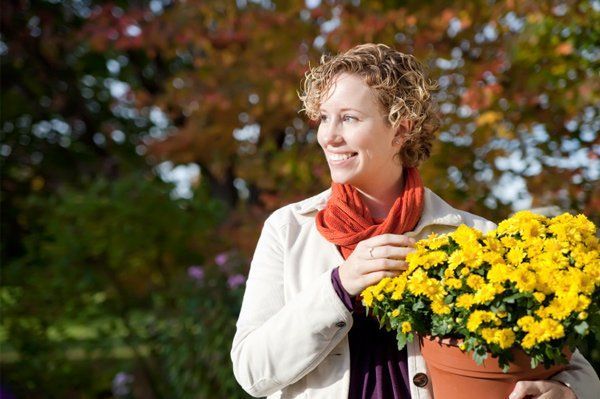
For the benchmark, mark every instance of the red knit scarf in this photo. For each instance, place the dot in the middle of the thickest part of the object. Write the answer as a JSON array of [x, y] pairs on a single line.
[[346, 221]]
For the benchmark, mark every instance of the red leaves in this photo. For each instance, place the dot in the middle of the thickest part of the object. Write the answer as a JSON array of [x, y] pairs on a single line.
[[110, 26], [481, 96]]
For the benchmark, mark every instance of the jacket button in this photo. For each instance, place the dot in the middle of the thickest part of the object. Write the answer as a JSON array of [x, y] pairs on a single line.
[[340, 324], [420, 380]]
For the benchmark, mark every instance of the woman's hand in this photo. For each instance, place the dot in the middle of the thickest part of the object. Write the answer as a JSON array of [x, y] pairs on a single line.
[[373, 259], [546, 389]]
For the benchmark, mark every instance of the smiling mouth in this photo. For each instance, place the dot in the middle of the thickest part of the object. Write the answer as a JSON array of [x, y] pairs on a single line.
[[341, 157]]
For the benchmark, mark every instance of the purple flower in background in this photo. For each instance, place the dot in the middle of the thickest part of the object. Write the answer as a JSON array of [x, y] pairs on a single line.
[[221, 258], [236, 280], [121, 384], [196, 273], [5, 393]]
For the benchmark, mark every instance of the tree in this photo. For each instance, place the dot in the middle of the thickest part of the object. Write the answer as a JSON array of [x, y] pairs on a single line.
[[103, 91]]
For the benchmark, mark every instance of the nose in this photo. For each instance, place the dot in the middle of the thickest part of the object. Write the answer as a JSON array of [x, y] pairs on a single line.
[[330, 133]]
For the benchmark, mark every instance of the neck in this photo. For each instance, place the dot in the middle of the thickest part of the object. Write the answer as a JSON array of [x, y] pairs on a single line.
[[381, 197]]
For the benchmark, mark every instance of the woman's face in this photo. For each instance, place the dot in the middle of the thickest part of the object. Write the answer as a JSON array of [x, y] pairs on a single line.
[[355, 136]]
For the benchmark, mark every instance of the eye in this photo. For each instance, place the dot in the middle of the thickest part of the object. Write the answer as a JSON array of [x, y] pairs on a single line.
[[323, 118], [349, 118]]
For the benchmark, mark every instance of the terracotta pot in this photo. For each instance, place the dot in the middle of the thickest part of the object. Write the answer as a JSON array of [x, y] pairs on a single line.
[[455, 375]]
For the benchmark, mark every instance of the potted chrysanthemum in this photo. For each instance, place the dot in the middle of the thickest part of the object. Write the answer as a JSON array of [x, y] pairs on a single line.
[[525, 292]]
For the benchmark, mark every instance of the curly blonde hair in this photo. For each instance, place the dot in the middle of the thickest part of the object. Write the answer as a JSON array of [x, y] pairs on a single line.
[[401, 87]]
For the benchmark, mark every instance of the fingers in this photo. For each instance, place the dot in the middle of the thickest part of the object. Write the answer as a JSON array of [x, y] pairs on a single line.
[[389, 239], [544, 389], [390, 252], [384, 264], [375, 277], [525, 388], [373, 259]]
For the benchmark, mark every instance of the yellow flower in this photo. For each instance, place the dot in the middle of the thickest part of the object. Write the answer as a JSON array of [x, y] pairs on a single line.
[[390, 286], [534, 246], [433, 290], [582, 303], [509, 241], [494, 245], [516, 255], [556, 262], [473, 257], [465, 301], [406, 327], [488, 334], [539, 296], [525, 322], [543, 331], [436, 242], [493, 257], [531, 229], [584, 256], [400, 287], [414, 258], [439, 307], [475, 281], [552, 244], [434, 258], [486, 293], [504, 337], [528, 341], [466, 237], [523, 279], [453, 283], [367, 297], [498, 273], [478, 317], [456, 259]]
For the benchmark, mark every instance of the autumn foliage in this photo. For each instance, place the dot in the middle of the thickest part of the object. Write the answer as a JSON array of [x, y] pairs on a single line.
[[97, 95]]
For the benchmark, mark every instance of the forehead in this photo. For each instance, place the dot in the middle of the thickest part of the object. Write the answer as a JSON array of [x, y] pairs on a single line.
[[349, 91]]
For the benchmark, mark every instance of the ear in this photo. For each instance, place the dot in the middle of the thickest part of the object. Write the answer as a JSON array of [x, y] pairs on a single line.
[[406, 125]]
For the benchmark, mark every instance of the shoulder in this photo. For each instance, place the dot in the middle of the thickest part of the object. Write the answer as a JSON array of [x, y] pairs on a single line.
[[299, 212], [438, 211]]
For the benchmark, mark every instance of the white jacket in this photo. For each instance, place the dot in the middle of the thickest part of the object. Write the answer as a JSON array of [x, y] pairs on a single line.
[[291, 339]]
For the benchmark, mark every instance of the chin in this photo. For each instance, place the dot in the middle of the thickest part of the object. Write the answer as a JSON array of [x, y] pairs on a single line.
[[343, 179]]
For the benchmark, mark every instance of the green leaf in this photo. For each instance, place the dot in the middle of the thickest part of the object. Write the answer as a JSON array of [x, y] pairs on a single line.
[[401, 338], [439, 326], [480, 354], [418, 305], [512, 298], [582, 328]]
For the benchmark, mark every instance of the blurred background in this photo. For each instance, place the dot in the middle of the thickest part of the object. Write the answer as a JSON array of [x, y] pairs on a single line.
[[143, 144]]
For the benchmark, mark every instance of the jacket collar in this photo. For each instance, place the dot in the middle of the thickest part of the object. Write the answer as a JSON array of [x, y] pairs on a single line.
[[436, 211]]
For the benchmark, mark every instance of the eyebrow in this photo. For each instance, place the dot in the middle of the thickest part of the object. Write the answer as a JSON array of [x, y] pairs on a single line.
[[345, 109]]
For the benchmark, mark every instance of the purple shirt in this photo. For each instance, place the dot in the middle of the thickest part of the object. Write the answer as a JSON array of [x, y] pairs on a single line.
[[377, 369]]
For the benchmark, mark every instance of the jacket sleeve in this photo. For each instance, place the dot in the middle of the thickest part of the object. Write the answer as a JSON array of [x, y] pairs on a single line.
[[580, 377], [277, 342]]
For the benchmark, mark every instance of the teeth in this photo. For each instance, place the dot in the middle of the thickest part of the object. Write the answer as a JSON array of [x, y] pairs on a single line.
[[340, 157]]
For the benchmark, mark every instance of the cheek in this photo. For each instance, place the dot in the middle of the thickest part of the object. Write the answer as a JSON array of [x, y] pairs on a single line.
[[320, 138]]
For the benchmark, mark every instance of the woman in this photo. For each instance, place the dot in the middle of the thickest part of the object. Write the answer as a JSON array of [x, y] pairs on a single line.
[[301, 331]]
